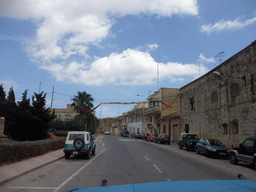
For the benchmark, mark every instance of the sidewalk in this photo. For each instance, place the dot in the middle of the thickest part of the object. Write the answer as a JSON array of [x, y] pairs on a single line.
[[17, 169]]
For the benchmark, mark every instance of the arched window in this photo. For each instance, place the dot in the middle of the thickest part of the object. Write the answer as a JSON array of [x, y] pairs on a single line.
[[224, 128], [234, 127], [214, 97], [164, 129], [234, 89]]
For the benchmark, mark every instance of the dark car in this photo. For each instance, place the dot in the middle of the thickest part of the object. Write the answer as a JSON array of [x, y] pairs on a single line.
[[188, 140], [137, 136], [162, 139], [246, 152], [125, 134], [211, 147], [151, 137]]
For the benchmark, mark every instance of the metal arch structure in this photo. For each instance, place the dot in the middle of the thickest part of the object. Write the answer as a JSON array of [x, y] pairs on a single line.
[[124, 103]]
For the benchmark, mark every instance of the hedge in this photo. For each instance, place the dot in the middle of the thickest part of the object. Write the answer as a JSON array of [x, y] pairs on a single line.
[[19, 150]]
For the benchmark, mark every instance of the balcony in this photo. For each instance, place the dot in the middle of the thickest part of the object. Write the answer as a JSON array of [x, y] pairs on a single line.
[[152, 110]]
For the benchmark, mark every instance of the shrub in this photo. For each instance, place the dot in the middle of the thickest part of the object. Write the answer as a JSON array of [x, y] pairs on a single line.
[[15, 151]]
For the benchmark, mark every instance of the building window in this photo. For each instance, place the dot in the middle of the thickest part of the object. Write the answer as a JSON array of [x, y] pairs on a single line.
[[150, 119], [234, 89], [164, 129], [214, 97], [186, 128], [191, 101], [58, 116], [235, 130], [68, 117], [138, 130], [224, 128]]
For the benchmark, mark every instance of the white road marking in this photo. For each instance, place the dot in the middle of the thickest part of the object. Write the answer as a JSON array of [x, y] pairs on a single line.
[[157, 168], [102, 144], [147, 158], [43, 188], [79, 170]]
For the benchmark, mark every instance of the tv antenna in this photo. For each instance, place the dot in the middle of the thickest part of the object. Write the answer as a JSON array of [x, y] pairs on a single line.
[[220, 55]]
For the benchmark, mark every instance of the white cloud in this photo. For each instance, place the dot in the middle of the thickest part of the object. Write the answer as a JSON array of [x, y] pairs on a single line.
[[69, 27], [227, 25], [208, 60], [131, 67]]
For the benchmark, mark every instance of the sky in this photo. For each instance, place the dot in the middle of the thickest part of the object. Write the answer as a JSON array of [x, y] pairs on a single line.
[[117, 51]]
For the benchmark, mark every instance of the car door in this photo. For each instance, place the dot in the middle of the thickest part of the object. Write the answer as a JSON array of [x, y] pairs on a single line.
[[203, 147], [199, 145], [246, 152]]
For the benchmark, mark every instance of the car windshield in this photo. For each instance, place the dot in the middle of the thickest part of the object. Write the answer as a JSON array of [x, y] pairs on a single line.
[[75, 136], [192, 137], [214, 142]]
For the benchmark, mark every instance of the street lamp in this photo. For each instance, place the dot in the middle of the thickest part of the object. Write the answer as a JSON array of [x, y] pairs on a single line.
[[241, 78]]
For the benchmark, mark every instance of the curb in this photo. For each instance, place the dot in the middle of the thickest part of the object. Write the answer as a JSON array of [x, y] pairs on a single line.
[[28, 171]]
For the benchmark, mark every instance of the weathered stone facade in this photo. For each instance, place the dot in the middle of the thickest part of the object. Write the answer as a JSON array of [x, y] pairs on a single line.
[[222, 103], [2, 123], [162, 119], [66, 114]]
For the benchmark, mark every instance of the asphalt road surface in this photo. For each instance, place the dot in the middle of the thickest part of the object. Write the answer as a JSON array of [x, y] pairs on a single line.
[[127, 161]]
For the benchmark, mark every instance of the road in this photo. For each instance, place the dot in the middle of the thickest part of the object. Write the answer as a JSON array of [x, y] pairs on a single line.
[[126, 161]]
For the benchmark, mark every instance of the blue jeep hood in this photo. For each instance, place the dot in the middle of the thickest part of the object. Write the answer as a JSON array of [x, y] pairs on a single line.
[[184, 186]]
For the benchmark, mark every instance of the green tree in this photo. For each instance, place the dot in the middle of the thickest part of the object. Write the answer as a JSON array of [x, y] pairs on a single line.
[[83, 103], [41, 116], [11, 98], [2, 93]]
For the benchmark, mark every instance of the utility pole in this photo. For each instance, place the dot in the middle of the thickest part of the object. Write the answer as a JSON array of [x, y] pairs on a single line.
[[52, 96], [157, 70], [40, 87]]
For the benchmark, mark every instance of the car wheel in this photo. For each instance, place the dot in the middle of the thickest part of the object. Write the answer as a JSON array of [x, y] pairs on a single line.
[[93, 152], [197, 151], [88, 155], [67, 155], [253, 165], [78, 143], [187, 148], [207, 153], [233, 159], [180, 146]]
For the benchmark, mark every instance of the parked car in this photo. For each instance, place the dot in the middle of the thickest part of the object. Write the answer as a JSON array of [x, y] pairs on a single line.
[[51, 136], [137, 136], [125, 133], [79, 143], [144, 136], [151, 137], [106, 133], [211, 147], [188, 140], [162, 139], [246, 152]]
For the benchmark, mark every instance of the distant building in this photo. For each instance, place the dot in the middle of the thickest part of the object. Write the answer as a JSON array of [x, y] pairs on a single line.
[[68, 113], [222, 103], [162, 119]]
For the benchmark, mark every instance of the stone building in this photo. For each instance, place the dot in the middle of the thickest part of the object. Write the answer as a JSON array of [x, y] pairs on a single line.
[[106, 124], [68, 113], [162, 119], [65, 114], [136, 119], [222, 103]]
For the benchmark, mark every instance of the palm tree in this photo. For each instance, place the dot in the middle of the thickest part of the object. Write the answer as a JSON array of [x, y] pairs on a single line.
[[83, 103]]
